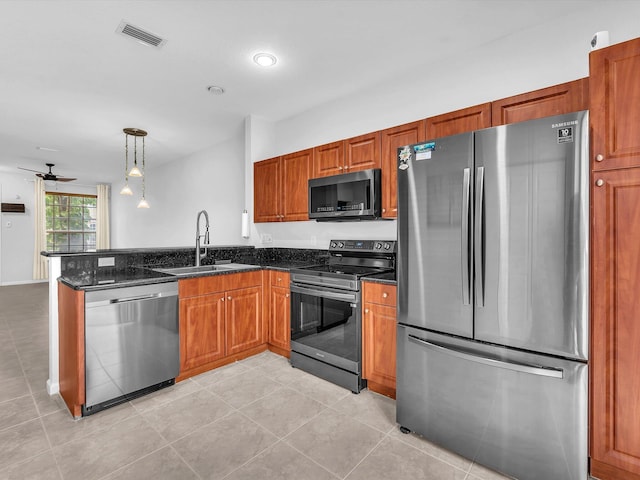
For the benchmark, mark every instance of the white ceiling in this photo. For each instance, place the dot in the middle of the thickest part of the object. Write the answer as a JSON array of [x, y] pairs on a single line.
[[68, 81]]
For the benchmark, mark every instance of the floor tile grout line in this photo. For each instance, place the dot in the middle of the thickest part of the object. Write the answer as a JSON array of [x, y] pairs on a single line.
[[366, 456]]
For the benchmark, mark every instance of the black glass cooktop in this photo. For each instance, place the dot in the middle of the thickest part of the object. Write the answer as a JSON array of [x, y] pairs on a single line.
[[353, 270]]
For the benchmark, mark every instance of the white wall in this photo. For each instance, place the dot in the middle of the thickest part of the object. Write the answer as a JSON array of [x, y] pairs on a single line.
[[529, 60], [17, 240], [211, 180]]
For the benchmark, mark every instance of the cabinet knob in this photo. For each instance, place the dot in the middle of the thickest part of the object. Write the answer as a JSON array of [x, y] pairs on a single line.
[[222, 299], [229, 297], [599, 182], [287, 295], [279, 279], [599, 157], [339, 168], [385, 295], [366, 310], [384, 210]]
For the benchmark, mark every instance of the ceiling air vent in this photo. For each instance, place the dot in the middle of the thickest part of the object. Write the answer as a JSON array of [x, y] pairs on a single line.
[[142, 36]]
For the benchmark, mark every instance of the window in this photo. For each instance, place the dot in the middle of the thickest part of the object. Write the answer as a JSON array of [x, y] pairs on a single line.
[[71, 222]]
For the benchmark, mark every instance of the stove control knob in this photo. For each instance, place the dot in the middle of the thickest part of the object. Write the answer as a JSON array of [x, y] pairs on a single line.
[[333, 244], [377, 246], [340, 244], [387, 246]]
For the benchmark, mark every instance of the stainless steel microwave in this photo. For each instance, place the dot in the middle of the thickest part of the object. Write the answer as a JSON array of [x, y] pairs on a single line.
[[349, 196]]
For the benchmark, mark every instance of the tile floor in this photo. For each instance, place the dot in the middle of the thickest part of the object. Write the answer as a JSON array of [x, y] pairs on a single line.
[[254, 419]]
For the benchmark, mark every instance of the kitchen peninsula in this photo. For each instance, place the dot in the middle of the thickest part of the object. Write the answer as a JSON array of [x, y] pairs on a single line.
[[117, 270]]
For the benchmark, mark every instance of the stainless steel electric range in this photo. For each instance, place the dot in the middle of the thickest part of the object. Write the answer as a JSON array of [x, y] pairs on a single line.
[[326, 310]]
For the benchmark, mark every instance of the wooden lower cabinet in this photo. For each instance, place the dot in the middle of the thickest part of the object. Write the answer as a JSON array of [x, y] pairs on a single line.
[[71, 347], [279, 311], [615, 325], [243, 319], [379, 337], [220, 320]]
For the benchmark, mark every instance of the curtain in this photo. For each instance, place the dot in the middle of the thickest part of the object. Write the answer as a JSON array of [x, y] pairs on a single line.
[[102, 217], [40, 263]]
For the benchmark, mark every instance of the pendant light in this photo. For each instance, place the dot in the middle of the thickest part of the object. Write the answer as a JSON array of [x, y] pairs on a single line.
[[143, 201], [126, 190], [135, 133]]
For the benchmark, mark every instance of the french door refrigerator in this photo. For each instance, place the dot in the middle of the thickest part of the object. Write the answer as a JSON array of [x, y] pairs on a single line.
[[493, 295]]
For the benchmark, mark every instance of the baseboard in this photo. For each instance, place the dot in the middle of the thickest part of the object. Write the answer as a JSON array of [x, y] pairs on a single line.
[[22, 282]]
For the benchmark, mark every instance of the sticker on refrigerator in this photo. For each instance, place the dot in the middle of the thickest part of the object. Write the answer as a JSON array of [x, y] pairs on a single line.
[[565, 134], [403, 158], [423, 151]]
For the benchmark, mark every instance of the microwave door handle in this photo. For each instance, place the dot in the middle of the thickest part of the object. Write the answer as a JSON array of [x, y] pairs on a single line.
[[466, 192]]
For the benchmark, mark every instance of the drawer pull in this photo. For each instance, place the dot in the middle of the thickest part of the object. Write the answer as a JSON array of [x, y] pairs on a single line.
[[385, 295]]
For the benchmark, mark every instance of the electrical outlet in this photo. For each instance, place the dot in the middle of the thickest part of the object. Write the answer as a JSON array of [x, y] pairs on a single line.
[[106, 261], [267, 238]]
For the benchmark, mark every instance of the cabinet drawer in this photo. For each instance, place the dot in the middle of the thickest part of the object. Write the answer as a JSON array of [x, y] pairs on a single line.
[[192, 287], [379, 293], [278, 278]]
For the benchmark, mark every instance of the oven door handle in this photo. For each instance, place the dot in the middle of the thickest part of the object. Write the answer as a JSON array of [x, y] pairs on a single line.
[[317, 292]]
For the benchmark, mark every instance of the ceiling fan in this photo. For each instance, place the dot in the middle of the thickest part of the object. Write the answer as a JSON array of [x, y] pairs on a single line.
[[49, 176]]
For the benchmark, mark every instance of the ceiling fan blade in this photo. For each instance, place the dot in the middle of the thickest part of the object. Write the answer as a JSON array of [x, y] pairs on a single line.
[[29, 170], [65, 179]]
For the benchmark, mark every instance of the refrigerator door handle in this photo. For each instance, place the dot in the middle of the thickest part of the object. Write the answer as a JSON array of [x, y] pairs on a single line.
[[479, 238], [517, 367], [466, 193]]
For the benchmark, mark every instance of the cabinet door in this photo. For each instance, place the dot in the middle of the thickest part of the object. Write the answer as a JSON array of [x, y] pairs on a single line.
[[201, 330], [461, 121], [266, 190], [615, 329], [243, 319], [379, 344], [557, 100], [296, 171], [362, 152], [391, 139], [615, 105], [280, 318], [328, 159]]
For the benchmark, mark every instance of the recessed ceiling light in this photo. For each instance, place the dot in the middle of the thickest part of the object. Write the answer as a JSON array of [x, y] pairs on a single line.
[[265, 59], [215, 90], [47, 149]]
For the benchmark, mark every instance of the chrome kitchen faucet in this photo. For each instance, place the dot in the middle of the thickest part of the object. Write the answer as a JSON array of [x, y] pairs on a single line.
[[199, 254]]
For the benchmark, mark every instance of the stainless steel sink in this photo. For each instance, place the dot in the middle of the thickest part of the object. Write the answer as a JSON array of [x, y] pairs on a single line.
[[205, 269]]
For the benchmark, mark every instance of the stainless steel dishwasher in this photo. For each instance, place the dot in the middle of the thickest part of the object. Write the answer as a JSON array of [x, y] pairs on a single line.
[[132, 345]]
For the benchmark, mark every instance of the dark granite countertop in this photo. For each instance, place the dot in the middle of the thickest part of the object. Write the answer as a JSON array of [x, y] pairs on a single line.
[[121, 251], [114, 278], [388, 278]]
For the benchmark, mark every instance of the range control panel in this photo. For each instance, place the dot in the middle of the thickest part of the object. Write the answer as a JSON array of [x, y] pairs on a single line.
[[363, 246]]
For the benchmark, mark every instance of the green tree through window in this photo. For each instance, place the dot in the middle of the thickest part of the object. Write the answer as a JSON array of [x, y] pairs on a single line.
[[71, 222]]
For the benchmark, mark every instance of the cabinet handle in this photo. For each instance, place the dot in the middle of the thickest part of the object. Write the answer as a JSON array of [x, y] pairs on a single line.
[[394, 209], [385, 295], [599, 157], [599, 182]]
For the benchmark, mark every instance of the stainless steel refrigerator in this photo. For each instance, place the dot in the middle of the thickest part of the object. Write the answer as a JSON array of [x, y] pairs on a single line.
[[493, 295]]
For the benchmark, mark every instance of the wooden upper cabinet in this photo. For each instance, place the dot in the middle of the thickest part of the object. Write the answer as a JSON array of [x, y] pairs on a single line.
[[266, 190], [344, 156], [362, 152], [615, 329], [614, 88], [391, 139], [296, 171], [328, 159], [557, 100], [280, 187], [461, 121]]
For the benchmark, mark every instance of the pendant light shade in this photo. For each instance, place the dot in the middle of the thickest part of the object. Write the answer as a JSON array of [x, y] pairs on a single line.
[[126, 190]]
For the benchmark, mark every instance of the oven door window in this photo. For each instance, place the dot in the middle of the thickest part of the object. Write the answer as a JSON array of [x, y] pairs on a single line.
[[327, 324]]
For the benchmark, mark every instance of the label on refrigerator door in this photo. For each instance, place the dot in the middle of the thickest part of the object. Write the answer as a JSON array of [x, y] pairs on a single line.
[[423, 152], [565, 134]]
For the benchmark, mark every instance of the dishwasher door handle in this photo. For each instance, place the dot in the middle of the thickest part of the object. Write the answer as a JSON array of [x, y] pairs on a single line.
[[137, 298]]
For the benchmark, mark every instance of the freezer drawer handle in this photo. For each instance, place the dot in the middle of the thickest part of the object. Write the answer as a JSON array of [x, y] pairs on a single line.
[[518, 367]]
